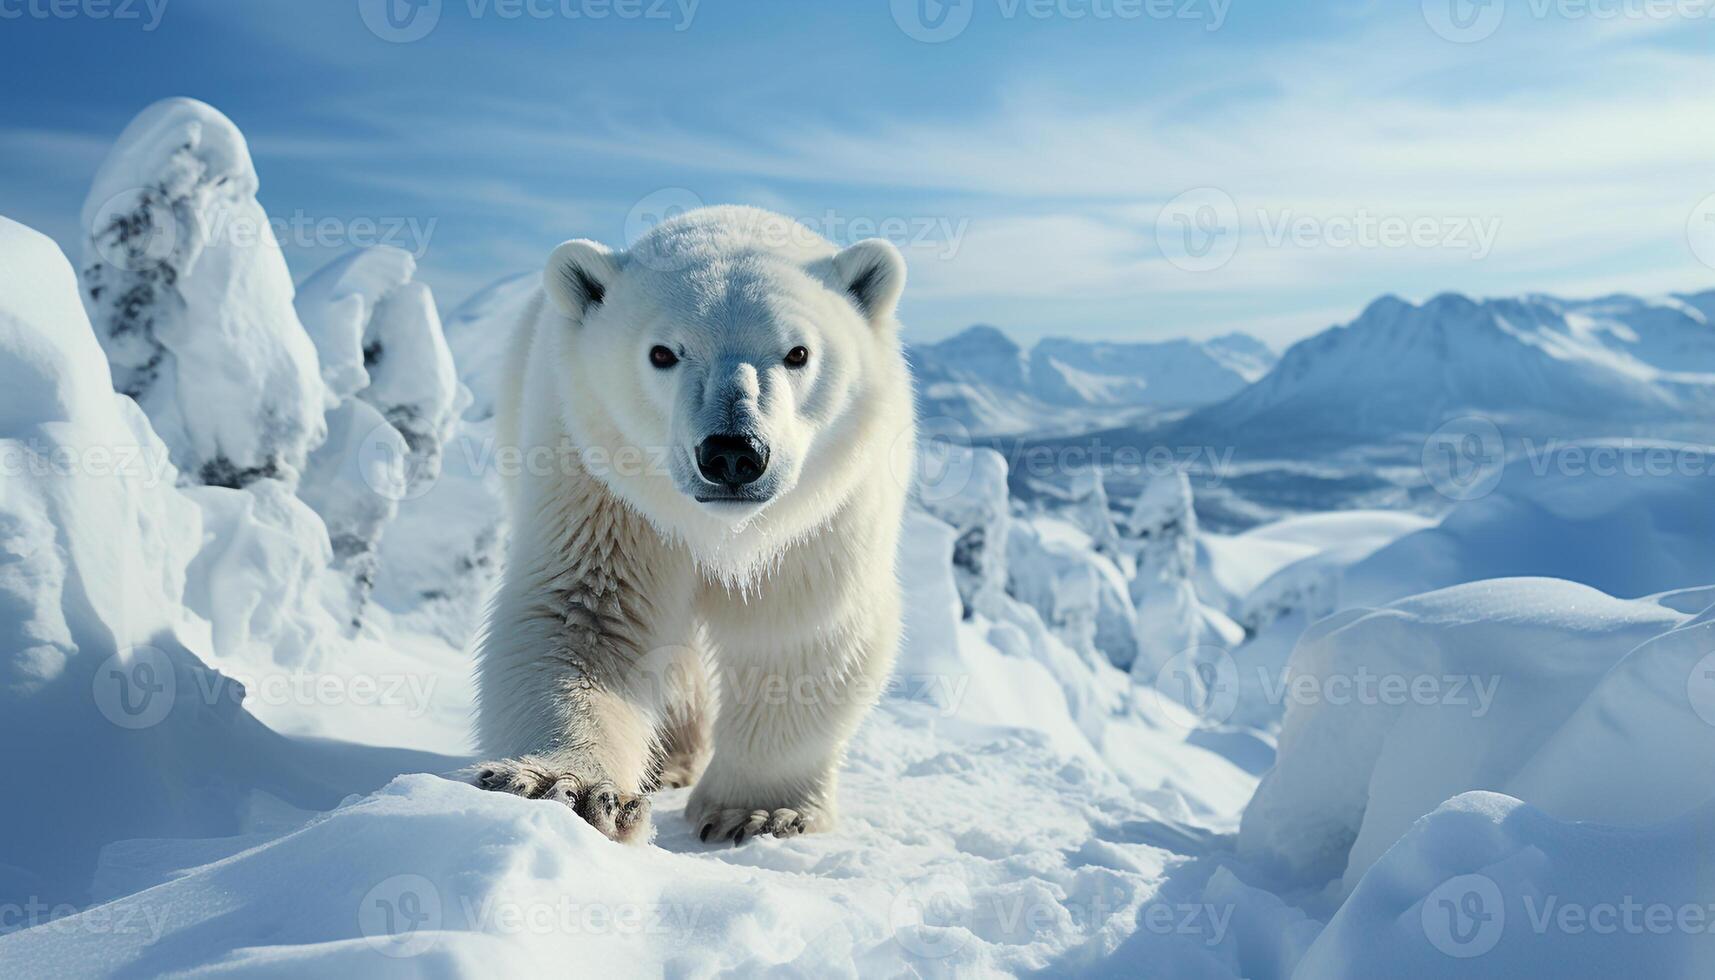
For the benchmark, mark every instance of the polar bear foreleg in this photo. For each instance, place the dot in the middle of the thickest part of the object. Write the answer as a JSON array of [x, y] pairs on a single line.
[[569, 722], [781, 729]]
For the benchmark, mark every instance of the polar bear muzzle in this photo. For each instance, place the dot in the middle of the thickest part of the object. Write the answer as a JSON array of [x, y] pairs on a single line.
[[731, 462]]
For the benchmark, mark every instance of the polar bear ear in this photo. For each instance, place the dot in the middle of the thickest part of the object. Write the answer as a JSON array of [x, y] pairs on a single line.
[[579, 275], [872, 274]]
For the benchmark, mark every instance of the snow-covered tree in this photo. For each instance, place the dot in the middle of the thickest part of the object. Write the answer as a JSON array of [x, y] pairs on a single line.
[[1161, 532], [191, 300], [969, 493]]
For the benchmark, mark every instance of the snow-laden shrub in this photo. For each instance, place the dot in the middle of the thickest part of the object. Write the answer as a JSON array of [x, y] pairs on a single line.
[[190, 298], [384, 356]]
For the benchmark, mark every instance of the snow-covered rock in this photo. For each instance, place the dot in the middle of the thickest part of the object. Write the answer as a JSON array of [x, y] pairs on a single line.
[[1564, 697], [1170, 373], [191, 300]]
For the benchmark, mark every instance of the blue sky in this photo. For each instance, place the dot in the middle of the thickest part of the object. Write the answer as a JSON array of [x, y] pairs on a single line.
[[1104, 168]]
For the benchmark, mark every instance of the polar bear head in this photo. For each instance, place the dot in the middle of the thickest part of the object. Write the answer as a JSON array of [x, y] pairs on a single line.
[[742, 374]]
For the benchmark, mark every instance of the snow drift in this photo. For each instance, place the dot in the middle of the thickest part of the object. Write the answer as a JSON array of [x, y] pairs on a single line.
[[1552, 692], [99, 664]]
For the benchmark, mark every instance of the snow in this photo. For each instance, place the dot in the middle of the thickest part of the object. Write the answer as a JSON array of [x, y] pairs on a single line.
[[105, 670], [1627, 531], [1469, 741], [257, 580], [1487, 886]]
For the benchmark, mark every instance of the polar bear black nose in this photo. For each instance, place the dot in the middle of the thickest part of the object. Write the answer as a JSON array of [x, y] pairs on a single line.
[[732, 460]]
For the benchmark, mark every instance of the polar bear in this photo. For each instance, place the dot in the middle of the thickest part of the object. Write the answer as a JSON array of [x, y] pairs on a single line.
[[713, 432]]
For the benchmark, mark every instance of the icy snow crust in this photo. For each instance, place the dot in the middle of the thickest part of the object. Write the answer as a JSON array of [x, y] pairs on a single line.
[[1115, 744]]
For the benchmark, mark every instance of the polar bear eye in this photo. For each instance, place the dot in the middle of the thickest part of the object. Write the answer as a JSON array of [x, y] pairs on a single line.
[[661, 357], [797, 357]]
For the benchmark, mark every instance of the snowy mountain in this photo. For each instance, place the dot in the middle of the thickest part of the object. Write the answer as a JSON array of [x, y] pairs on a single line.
[[986, 381], [1567, 366]]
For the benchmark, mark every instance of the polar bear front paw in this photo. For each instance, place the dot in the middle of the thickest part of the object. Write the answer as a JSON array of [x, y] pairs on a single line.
[[738, 824], [623, 817]]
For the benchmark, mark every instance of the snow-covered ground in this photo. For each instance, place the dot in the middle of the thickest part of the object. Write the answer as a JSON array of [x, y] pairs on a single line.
[[1363, 743]]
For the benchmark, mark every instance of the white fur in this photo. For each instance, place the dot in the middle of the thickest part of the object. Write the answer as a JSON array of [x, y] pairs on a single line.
[[621, 589]]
